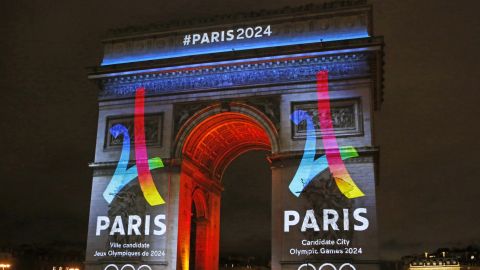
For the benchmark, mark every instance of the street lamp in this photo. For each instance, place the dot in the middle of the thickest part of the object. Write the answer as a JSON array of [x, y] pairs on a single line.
[[4, 266]]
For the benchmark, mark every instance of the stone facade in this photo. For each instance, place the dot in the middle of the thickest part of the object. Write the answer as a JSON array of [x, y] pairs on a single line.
[[256, 90]]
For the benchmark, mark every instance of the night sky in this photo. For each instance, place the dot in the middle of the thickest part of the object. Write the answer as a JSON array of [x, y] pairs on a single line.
[[427, 129]]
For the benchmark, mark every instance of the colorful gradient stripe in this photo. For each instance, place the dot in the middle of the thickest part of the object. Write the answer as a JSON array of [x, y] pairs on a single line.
[[342, 178], [120, 178], [144, 176], [124, 176], [309, 166], [333, 159]]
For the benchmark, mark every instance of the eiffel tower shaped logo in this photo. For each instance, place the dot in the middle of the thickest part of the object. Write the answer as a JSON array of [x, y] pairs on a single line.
[[334, 156], [124, 175]]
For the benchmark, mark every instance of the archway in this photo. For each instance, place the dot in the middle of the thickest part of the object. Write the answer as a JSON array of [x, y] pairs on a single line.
[[246, 212], [206, 144]]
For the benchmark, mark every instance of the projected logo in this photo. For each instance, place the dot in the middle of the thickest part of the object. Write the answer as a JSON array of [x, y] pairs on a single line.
[[124, 175], [334, 155]]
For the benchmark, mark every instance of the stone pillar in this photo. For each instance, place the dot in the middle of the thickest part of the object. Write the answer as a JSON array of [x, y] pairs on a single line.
[[289, 249]]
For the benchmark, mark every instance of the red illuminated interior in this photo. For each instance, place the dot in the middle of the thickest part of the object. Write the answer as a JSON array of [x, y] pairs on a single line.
[[208, 149]]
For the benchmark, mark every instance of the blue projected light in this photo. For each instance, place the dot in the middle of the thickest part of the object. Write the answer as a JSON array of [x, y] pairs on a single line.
[[309, 165], [235, 45], [123, 175]]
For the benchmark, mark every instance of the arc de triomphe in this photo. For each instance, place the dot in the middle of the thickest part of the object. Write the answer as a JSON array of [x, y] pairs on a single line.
[[198, 94]]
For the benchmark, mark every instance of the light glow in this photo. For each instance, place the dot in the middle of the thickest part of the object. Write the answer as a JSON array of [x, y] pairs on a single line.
[[309, 166], [144, 176], [122, 175], [333, 159], [233, 46], [340, 173]]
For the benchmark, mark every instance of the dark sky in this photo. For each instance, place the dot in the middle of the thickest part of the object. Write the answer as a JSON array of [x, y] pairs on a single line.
[[428, 127]]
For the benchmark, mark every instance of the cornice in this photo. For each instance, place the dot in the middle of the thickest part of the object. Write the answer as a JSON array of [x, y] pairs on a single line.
[[246, 73], [301, 70], [139, 30], [331, 47]]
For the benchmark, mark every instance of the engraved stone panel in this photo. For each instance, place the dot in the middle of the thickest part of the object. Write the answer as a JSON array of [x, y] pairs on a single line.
[[153, 130], [347, 118]]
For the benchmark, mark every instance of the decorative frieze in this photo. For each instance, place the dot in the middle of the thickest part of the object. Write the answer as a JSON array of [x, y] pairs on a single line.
[[153, 130], [267, 105], [281, 71], [346, 118]]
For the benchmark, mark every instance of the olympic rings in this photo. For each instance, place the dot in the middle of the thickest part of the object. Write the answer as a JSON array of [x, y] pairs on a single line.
[[332, 267], [127, 267]]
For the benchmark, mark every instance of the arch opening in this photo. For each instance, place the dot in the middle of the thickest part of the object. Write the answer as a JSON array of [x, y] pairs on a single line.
[[208, 149], [246, 213], [219, 139]]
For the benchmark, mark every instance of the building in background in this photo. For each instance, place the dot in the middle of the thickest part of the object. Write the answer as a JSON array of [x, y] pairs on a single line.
[[444, 258], [56, 256]]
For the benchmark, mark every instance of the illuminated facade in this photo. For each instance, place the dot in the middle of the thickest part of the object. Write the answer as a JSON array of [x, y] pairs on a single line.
[[189, 101]]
